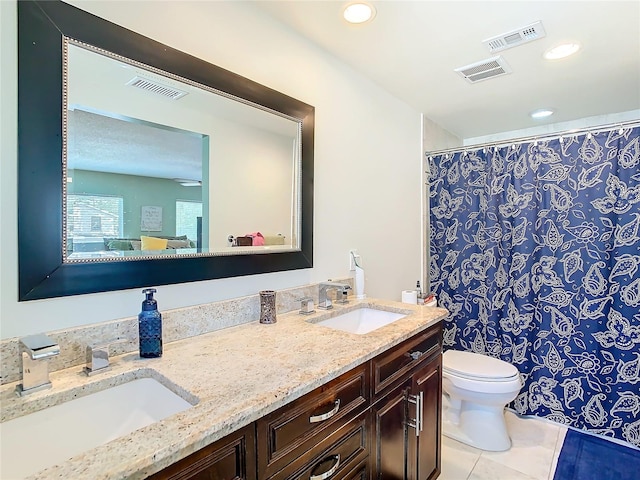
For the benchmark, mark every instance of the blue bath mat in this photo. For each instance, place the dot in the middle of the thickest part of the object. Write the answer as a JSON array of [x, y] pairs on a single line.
[[585, 457]]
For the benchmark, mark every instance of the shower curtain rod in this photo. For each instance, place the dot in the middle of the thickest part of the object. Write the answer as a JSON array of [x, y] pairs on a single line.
[[549, 136]]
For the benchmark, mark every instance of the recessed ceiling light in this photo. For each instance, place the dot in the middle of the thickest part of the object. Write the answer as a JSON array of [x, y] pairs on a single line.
[[359, 13], [561, 51], [541, 113]]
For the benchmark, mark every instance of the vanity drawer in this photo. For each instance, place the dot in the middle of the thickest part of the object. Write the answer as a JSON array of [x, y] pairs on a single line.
[[340, 455], [293, 429], [391, 367], [359, 472]]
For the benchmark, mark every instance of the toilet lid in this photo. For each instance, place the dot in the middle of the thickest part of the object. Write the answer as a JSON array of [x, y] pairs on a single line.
[[476, 366]]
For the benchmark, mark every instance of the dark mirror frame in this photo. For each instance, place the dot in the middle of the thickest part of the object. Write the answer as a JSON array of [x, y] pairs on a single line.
[[42, 273]]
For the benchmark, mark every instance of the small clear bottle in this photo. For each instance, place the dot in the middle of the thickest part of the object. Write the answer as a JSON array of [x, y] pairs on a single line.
[[150, 326], [420, 296]]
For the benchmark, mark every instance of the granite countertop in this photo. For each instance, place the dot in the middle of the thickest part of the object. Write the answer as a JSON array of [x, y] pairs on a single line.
[[235, 376]]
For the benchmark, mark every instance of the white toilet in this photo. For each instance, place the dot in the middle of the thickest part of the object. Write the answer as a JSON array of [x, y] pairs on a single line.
[[477, 388]]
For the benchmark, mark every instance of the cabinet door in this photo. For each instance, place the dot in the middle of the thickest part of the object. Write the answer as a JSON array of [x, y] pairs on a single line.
[[390, 435], [233, 457], [424, 449]]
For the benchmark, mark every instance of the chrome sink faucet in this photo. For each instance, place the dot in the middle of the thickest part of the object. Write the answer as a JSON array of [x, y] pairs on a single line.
[[323, 301], [98, 356], [35, 351]]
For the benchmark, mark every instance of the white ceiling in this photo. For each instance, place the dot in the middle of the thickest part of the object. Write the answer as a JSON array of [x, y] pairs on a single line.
[[105, 144], [411, 49], [119, 129]]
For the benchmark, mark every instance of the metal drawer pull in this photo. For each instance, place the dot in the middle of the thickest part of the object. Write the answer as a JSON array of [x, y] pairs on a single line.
[[421, 410], [418, 401], [331, 471], [324, 416], [417, 354], [414, 355]]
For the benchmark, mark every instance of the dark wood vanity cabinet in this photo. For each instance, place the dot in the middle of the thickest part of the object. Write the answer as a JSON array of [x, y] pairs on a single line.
[[380, 420], [423, 450], [295, 430], [335, 456], [389, 435], [232, 457], [407, 397]]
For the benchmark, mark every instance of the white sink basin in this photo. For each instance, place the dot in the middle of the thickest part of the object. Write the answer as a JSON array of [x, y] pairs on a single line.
[[361, 320], [41, 439]]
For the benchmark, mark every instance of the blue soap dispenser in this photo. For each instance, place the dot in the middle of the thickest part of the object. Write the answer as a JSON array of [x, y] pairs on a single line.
[[150, 326]]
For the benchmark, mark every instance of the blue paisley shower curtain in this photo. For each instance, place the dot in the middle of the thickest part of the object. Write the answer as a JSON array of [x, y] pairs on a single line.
[[535, 251]]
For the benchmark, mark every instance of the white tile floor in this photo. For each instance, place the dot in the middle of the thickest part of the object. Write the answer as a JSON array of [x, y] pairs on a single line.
[[533, 454]]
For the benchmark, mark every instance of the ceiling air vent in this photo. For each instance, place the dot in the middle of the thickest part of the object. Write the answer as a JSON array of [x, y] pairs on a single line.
[[492, 67], [154, 86], [516, 37]]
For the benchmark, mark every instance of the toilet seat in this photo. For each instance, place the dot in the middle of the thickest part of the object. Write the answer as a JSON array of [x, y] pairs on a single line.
[[513, 384], [474, 366]]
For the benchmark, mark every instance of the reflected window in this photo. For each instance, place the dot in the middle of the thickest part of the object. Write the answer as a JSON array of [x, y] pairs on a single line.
[[187, 214], [90, 218]]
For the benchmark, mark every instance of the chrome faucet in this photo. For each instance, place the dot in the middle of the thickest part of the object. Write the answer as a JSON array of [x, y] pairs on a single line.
[[35, 351], [98, 356], [323, 301], [306, 306]]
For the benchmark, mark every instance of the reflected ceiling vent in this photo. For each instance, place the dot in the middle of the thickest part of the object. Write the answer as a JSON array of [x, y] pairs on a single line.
[[156, 87], [484, 70], [516, 37]]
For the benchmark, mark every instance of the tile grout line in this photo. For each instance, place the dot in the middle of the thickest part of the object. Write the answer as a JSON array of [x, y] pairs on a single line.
[[552, 449], [555, 449], [485, 455], [556, 455], [474, 466]]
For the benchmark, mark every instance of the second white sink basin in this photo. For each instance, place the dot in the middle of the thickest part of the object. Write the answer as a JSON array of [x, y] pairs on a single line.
[[41, 439], [361, 320]]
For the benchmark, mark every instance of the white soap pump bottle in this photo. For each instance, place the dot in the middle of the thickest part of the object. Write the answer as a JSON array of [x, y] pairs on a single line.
[[359, 277]]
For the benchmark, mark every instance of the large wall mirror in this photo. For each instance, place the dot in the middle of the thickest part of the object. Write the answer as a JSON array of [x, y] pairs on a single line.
[[142, 165]]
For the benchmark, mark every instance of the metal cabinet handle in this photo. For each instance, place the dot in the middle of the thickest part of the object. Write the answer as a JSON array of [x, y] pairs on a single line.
[[418, 354], [418, 401], [421, 409], [325, 416], [414, 355], [331, 471]]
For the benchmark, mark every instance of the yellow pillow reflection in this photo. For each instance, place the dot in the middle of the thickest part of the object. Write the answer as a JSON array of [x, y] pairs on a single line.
[[153, 243]]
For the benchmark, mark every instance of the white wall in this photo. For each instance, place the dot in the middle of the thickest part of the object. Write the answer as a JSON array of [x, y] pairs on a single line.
[[437, 138], [368, 156], [257, 193], [555, 128]]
